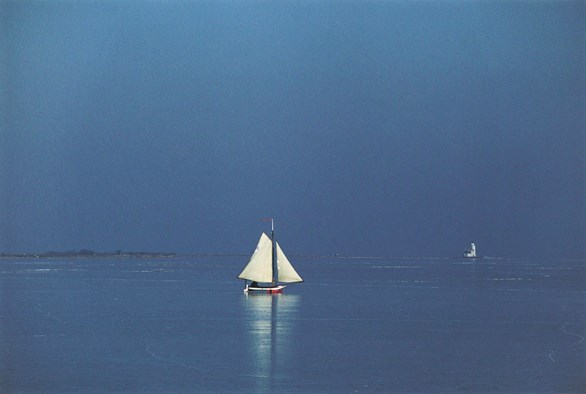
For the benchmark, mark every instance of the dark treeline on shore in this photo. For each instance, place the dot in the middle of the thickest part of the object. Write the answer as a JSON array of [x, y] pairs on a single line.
[[89, 253]]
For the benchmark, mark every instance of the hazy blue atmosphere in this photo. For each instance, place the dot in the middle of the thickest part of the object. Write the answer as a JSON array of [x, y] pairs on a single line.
[[365, 128]]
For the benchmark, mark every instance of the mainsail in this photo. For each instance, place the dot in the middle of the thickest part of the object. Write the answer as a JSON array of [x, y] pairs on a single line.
[[286, 272], [260, 267]]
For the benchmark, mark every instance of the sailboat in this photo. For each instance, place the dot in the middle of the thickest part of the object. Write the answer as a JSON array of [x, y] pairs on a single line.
[[268, 265]]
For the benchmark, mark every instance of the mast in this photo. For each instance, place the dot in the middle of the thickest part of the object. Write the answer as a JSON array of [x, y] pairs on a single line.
[[273, 253]]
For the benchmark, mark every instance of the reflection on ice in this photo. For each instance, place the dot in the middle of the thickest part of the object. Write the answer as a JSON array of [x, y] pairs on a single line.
[[270, 325]]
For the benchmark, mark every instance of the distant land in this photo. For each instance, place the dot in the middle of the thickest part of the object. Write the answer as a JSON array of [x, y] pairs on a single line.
[[87, 253]]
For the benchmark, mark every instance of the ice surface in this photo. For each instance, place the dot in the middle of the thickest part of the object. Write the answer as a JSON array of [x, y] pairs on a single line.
[[354, 325]]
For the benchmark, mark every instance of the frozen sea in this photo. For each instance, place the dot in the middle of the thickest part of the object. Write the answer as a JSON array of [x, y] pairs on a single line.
[[356, 325]]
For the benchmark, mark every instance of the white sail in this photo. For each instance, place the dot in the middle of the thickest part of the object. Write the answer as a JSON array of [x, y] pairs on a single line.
[[260, 266], [287, 273]]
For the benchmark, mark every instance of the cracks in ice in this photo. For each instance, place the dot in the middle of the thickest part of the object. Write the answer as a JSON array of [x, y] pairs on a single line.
[[168, 361], [563, 329], [551, 353], [48, 314], [580, 337]]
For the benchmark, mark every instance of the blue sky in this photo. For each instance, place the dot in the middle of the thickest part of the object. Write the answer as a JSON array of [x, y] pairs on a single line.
[[403, 128]]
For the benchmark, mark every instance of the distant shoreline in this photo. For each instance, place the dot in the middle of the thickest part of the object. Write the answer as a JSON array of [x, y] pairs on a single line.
[[88, 254], [120, 254], [117, 254], [84, 255], [146, 255]]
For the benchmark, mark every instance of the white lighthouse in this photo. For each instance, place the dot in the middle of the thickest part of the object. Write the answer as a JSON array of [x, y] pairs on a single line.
[[471, 253]]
